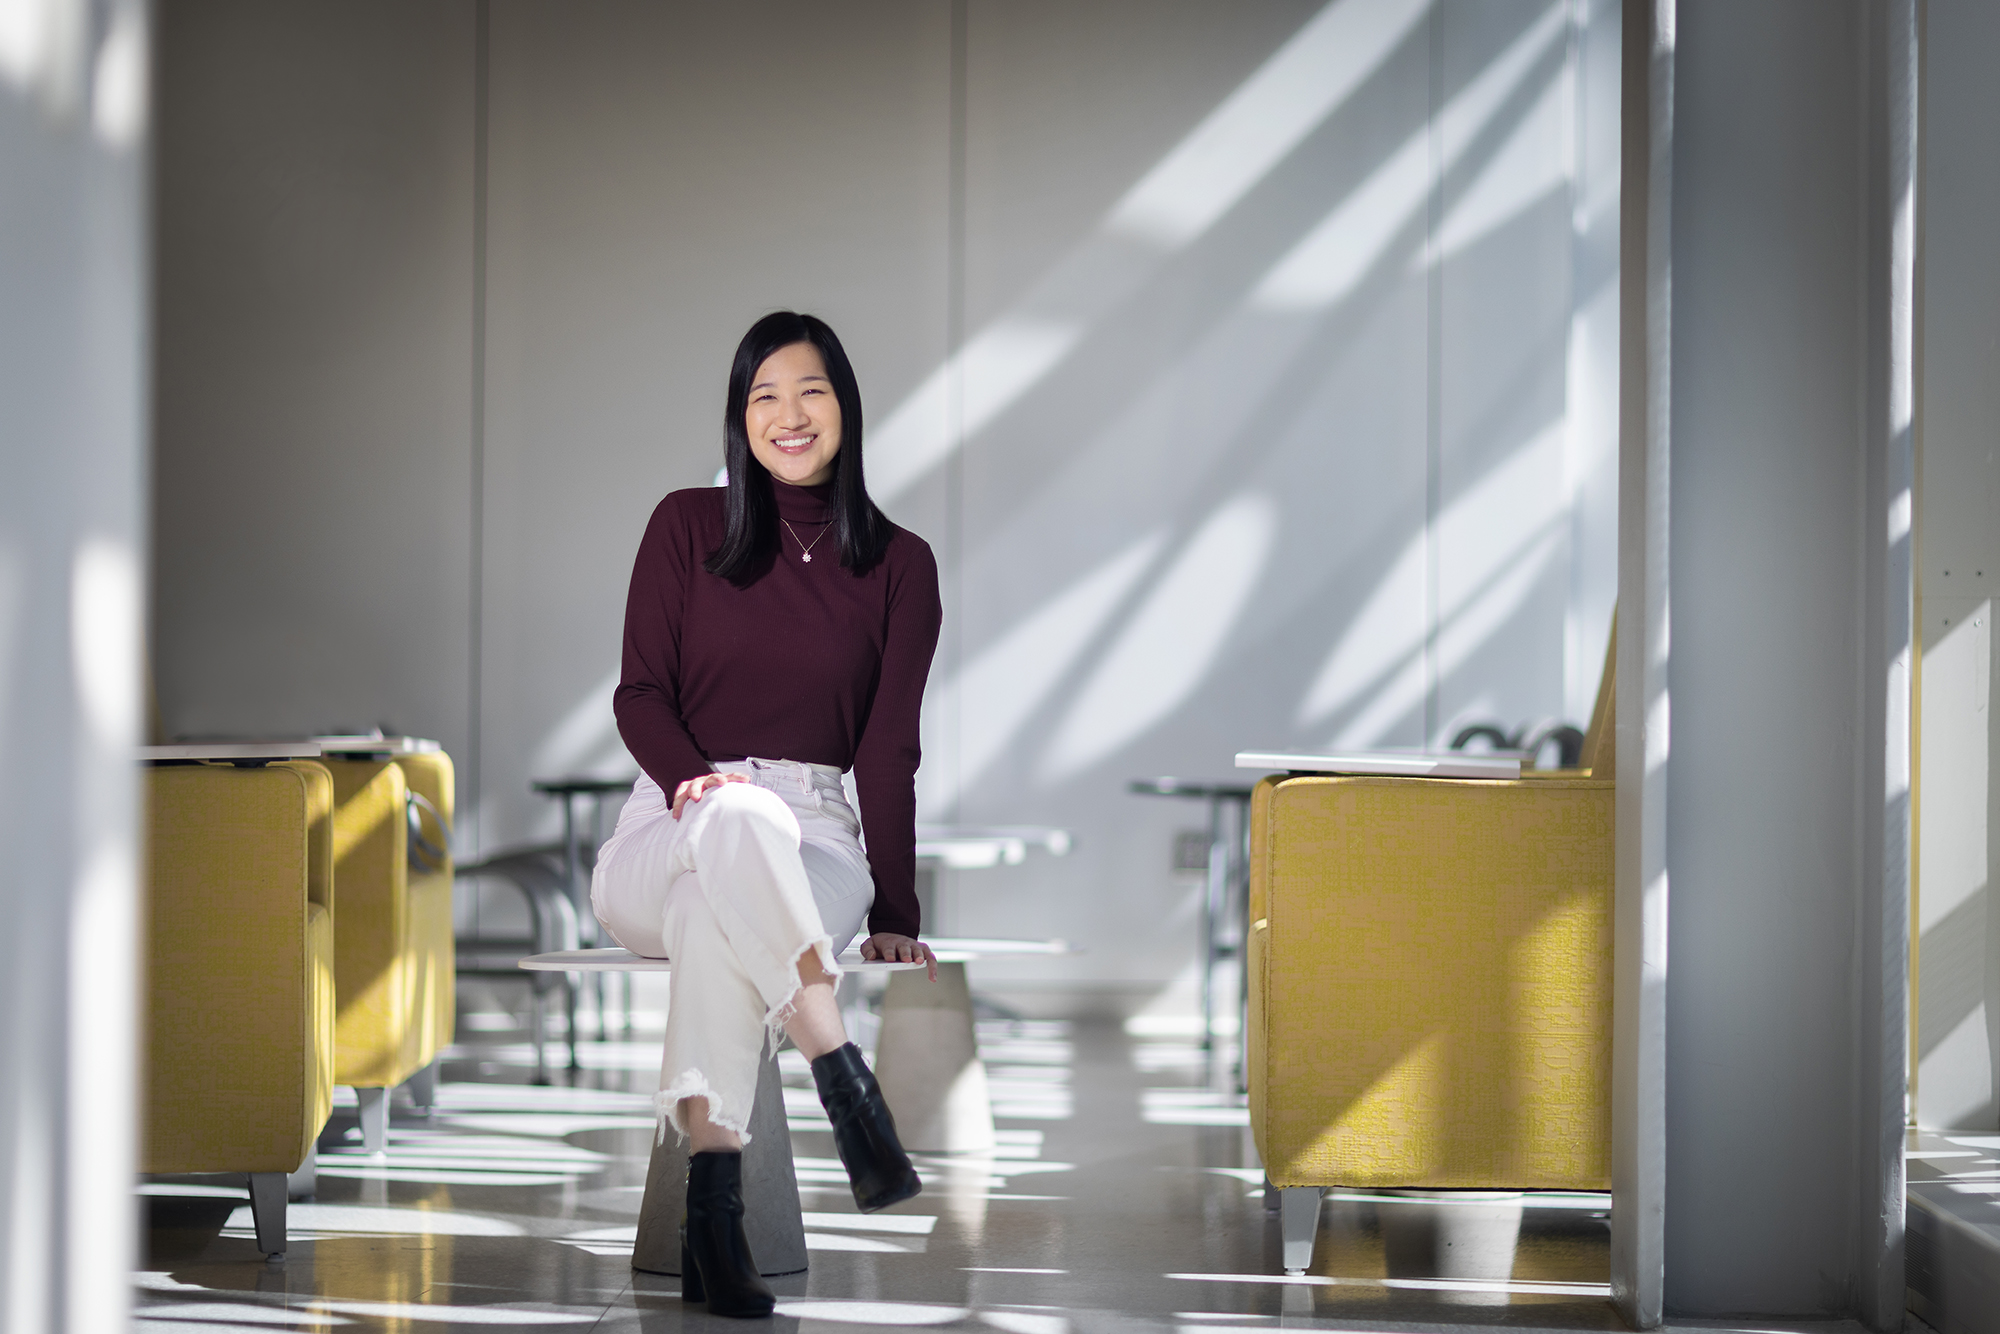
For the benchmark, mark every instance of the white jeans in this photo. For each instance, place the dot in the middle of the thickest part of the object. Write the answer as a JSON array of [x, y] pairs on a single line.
[[735, 892]]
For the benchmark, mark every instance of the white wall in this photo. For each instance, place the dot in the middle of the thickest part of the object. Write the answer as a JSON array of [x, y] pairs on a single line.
[[72, 473], [1958, 528], [1248, 368], [313, 498]]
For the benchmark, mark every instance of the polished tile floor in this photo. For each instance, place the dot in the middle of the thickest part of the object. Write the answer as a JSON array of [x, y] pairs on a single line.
[[1125, 1196]]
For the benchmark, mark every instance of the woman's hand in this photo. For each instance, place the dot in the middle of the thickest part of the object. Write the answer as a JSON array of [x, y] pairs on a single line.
[[692, 789], [889, 947]]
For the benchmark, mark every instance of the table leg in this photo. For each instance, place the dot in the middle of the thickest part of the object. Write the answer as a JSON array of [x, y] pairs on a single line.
[[771, 1215], [1218, 862], [927, 1061], [1240, 889]]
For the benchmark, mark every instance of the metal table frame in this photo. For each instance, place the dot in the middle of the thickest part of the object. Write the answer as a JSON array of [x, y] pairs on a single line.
[[1225, 900]]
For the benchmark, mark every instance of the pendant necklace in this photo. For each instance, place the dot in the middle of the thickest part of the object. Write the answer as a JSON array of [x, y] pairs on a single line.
[[806, 550]]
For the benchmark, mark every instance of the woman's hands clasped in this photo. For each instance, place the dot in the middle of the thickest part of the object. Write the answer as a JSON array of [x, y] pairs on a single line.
[[692, 789], [888, 947]]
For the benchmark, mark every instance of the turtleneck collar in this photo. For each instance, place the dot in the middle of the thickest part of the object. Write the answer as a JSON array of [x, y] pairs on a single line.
[[803, 504]]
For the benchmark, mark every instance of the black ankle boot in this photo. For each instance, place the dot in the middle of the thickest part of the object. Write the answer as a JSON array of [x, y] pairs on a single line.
[[716, 1264], [863, 1130]]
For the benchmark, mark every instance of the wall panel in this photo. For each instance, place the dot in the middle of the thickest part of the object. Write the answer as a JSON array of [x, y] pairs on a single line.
[[313, 386]]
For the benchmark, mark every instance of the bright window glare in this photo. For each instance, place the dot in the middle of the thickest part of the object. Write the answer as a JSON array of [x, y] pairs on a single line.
[[873, 1313], [242, 1313], [1192, 1107], [365, 1219], [841, 1241], [466, 1097], [1524, 1286], [916, 1225], [322, 1311], [1026, 1322]]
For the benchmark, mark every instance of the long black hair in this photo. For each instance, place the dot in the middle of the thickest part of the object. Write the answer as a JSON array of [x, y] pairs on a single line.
[[750, 510]]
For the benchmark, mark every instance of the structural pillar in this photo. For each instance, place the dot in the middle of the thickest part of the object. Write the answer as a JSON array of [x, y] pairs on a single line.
[[1764, 723], [73, 407]]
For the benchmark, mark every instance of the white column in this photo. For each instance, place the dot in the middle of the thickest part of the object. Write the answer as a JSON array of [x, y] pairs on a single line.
[[1958, 535], [1765, 522], [1639, 927], [72, 381]]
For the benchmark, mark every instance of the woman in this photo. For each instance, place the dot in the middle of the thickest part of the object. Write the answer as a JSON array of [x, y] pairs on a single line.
[[778, 631]]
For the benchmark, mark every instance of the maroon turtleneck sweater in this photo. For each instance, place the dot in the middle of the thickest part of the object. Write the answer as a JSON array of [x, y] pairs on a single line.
[[810, 662]]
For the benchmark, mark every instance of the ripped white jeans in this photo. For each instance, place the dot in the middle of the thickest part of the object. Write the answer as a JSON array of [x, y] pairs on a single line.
[[735, 892]]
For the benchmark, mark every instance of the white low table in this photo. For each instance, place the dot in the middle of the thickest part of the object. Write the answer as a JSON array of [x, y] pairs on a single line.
[[927, 1053], [624, 961]]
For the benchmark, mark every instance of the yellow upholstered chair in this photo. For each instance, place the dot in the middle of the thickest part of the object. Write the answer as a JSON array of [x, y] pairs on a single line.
[[1430, 982], [393, 956], [239, 984], [432, 785]]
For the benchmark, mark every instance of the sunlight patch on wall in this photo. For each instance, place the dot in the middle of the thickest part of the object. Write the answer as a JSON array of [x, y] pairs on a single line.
[[586, 736], [1173, 639], [1198, 181], [1494, 540], [1459, 637], [1530, 166], [1008, 680], [1267, 116], [1001, 363], [1957, 685], [1332, 258]]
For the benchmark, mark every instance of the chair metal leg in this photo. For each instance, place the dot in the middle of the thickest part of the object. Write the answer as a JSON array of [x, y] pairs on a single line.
[[569, 1010], [374, 1119], [1298, 1223], [267, 1210], [423, 1087], [538, 1026]]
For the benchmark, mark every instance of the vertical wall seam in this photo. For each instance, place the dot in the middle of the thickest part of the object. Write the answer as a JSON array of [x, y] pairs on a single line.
[[475, 645], [1912, 988], [1433, 379], [954, 468]]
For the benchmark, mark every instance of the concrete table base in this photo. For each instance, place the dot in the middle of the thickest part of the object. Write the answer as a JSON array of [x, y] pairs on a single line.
[[771, 1217], [927, 1061]]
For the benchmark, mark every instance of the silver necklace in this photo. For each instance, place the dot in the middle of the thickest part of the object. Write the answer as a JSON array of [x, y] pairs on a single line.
[[807, 551]]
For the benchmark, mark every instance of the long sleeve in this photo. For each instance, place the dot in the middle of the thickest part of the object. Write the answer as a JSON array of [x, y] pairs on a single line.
[[886, 757], [647, 703]]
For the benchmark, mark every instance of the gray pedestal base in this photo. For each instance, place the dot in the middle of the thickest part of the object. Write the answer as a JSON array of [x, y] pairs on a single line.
[[771, 1216], [927, 1061]]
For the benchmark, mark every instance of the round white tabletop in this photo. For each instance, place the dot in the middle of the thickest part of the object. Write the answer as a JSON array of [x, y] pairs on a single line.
[[624, 961], [947, 949]]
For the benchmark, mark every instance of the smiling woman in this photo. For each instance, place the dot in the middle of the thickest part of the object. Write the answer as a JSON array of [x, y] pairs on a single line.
[[752, 679], [793, 418], [794, 408]]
